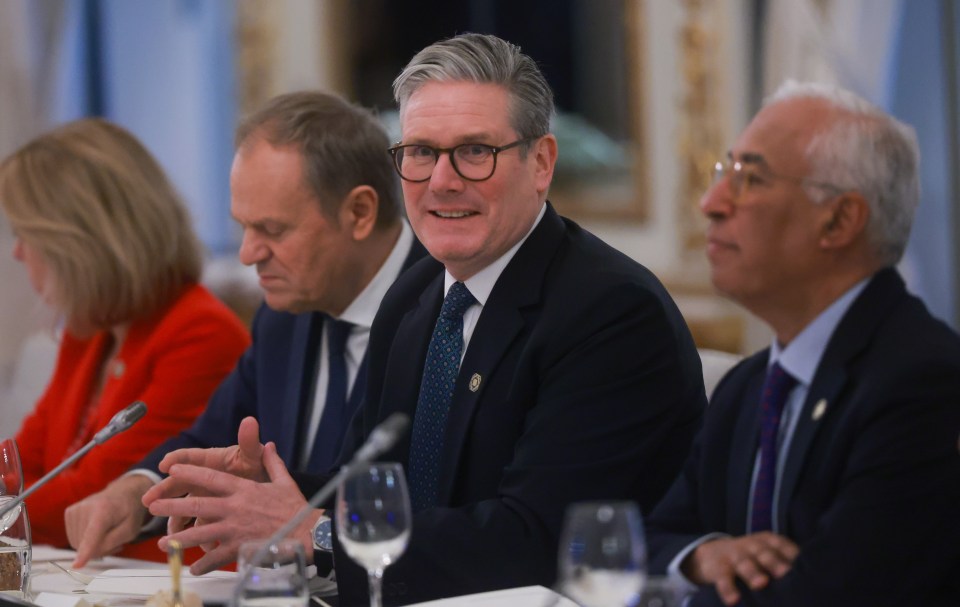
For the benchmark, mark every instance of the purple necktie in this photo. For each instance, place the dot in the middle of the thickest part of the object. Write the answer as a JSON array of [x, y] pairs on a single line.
[[776, 388]]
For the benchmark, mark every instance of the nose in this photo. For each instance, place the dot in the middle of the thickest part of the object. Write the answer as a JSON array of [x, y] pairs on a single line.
[[18, 249], [252, 249], [717, 202], [444, 177]]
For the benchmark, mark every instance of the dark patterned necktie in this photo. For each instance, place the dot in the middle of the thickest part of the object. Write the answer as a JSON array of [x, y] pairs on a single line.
[[436, 392], [327, 442], [776, 388]]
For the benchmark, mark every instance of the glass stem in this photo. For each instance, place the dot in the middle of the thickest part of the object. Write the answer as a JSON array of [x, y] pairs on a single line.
[[375, 579]]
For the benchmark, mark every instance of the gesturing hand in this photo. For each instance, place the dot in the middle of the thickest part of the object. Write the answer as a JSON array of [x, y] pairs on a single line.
[[754, 558], [245, 459], [233, 509]]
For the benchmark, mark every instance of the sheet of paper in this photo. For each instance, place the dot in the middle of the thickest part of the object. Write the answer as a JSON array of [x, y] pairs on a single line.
[[42, 554], [214, 587], [527, 596]]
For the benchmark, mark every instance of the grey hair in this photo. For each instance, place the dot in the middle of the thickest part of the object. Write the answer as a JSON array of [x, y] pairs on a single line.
[[484, 58], [868, 151]]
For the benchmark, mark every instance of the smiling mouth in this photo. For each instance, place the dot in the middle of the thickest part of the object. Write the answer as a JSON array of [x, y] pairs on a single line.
[[452, 214]]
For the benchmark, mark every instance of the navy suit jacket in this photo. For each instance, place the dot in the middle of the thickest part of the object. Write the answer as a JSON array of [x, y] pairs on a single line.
[[871, 488], [273, 382], [590, 388]]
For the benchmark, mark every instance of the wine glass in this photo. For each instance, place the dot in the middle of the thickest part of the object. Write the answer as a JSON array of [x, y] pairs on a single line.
[[373, 520], [272, 575], [15, 542], [603, 559]]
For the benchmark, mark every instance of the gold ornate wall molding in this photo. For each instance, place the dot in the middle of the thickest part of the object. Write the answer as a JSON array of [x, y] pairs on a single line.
[[702, 135], [257, 32]]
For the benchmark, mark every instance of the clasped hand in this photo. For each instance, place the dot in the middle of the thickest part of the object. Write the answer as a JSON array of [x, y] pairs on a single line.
[[756, 559], [235, 494]]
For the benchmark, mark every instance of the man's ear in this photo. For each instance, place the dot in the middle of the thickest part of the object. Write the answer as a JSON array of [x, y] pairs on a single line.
[[845, 220], [545, 155], [358, 211]]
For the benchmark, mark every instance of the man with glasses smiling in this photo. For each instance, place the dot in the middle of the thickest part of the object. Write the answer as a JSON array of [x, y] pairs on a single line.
[[827, 470], [540, 366]]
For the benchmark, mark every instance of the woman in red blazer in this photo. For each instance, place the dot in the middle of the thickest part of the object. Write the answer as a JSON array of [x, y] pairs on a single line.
[[108, 244]]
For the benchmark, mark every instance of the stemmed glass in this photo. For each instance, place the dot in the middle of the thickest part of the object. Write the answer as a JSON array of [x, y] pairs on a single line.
[[15, 542], [373, 520], [603, 560]]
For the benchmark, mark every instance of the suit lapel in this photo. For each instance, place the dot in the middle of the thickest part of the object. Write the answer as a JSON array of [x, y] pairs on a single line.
[[851, 337], [826, 386], [301, 377], [404, 368], [518, 287], [744, 450]]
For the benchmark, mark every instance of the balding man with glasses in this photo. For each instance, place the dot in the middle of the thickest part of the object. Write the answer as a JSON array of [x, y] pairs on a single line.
[[827, 470], [539, 366]]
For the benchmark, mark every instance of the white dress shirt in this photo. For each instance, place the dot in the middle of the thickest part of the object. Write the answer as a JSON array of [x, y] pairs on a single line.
[[360, 313], [481, 284]]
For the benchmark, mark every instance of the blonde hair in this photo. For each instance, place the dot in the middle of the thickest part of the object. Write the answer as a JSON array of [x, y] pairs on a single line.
[[97, 208]]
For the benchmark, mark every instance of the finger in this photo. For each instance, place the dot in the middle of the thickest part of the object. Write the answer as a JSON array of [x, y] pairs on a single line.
[[185, 478], [190, 507], [749, 571], [211, 534], [215, 559], [276, 469], [248, 439], [177, 523], [727, 590], [194, 456], [100, 540], [773, 562], [785, 547]]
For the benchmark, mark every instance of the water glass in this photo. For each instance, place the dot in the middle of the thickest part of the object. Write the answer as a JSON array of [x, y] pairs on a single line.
[[373, 520], [661, 591], [603, 559], [15, 544], [272, 575]]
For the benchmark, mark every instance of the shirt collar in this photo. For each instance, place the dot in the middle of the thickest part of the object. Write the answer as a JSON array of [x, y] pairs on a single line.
[[802, 356], [481, 284], [361, 310]]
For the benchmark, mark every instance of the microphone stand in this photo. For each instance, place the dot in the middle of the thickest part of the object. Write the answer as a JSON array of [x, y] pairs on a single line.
[[120, 422]]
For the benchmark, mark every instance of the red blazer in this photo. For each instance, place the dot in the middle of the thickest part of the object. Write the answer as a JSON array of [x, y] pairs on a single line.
[[172, 361]]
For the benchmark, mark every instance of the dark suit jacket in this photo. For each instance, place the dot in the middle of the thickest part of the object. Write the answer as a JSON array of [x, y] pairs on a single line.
[[871, 489], [590, 389], [273, 382]]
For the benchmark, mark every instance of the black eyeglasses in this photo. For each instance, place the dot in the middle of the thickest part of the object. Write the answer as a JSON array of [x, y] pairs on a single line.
[[472, 161]]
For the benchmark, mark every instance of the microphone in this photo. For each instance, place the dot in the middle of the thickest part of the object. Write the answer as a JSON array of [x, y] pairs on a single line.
[[384, 436], [122, 420]]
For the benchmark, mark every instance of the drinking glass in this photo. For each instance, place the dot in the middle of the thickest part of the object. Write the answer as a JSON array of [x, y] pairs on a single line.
[[272, 576], [661, 591], [15, 542], [603, 559], [373, 520]]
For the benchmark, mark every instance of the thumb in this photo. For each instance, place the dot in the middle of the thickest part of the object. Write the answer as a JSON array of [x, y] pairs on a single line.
[[248, 439]]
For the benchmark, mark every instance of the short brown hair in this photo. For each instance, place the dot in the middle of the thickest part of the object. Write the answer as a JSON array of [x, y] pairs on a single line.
[[343, 146], [101, 213]]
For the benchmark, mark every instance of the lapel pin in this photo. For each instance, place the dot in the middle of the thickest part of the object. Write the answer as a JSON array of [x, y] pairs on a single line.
[[475, 382], [819, 409]]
